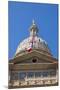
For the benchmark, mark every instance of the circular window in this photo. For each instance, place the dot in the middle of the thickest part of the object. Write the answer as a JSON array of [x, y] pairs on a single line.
[[34, 60]]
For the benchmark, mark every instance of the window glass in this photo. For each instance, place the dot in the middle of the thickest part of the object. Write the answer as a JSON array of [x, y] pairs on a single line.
[[22, 75], [14, 76], [37, 74], [45, 74], [30, 74], [52, 73]]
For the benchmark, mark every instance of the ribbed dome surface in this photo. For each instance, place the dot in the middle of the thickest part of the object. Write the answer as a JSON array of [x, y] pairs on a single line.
[[32, 42]]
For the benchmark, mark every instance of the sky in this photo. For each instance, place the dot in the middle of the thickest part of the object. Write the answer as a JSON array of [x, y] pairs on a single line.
[[20, 16]]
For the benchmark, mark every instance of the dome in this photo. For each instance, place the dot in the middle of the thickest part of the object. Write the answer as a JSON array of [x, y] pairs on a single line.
[[32, 42]]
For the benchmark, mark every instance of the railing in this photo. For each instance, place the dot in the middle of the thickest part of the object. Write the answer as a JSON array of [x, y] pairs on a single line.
[[35, 81], [41, 78]]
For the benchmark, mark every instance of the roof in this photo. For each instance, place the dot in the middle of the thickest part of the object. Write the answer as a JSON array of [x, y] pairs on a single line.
[[34, 53], [32, 42]]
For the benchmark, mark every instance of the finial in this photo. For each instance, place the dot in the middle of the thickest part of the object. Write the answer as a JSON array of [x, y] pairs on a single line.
[[33, 22]]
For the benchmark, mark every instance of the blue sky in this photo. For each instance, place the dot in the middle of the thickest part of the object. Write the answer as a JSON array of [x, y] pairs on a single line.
[[20, 19]]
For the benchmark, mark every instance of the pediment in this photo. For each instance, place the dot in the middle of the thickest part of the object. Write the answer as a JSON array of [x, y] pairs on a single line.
[[28, 57], [33, 60]]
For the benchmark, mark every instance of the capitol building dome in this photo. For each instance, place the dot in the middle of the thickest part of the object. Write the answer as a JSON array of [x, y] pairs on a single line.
[[32, 42]]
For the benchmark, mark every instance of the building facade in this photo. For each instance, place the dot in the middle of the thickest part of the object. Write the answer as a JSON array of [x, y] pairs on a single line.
[[33, 63]]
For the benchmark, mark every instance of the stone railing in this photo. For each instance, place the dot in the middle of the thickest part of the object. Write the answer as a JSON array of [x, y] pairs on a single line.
[[35, 81]]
